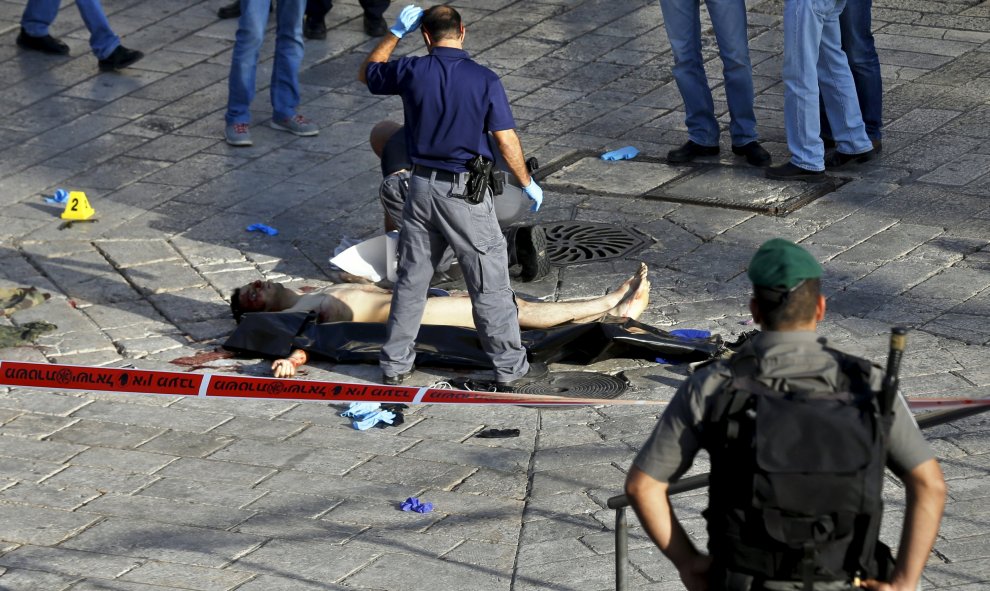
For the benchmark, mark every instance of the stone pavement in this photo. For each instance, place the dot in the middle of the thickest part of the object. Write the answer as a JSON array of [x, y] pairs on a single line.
[[139, 493]]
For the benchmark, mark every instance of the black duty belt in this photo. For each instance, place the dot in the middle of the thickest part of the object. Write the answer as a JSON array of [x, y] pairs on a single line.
[[441, 175]]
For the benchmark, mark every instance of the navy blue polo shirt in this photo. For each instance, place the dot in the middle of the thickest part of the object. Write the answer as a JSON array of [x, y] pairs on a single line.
[[450, 103]]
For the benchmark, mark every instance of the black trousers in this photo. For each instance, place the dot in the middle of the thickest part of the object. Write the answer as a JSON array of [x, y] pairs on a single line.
[[318, 9]]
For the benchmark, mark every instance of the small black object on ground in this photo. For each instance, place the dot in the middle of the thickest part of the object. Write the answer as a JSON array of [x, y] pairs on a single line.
[[498, 433]]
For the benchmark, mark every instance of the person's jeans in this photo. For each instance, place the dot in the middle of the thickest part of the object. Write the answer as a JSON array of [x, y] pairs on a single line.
[[244, 62], [40, 14], [856, 26], [813, 57], [682, 20]]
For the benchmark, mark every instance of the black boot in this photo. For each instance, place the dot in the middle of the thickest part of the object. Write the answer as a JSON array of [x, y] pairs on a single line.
[[232, 10], [527, 246]]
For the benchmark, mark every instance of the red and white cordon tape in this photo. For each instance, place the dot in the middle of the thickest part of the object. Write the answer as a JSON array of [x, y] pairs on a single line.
[[210, 385]]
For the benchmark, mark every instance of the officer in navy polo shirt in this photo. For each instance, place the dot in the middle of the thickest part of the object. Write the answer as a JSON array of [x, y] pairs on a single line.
[[450, 104]]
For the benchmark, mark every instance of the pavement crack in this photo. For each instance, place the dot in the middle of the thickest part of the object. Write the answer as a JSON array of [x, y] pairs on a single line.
[[530, 472]]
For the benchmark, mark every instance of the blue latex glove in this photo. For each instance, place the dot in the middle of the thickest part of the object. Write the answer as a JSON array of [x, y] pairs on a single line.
[[262, 228], [60, 197], [367, 421], [414, 504], [408, 20], [627, 153], [534, 192], [691, 333]]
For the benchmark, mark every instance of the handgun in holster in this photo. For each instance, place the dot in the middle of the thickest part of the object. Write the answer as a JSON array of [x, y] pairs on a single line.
[[479, 176]]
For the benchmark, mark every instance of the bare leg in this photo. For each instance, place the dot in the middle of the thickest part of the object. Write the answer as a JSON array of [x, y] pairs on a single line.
[[547, 314], [456, 309]]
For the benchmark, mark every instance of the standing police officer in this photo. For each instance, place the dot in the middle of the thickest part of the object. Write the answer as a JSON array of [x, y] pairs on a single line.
[[751, 541], [450, 104]]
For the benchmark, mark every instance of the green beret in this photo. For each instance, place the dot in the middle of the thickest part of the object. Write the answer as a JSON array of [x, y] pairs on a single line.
[[780, 263]]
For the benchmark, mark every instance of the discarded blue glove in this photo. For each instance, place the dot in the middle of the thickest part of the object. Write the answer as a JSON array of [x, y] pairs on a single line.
[[627, 153], [414, 504], [534, 192], [367, 414], [365, 422], [60, 197], [262, 228], [357, 409], [691, 333], [407, 21]]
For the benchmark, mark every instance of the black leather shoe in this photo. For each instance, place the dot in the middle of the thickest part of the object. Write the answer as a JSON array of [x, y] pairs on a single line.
[[537, 371], [877, 144], [375, 27], [232, 10], [792, 172], [399, 379], [837, 159], [120, 59], [531, 252], [314, 29], [46, 44], [755, 154], [689, 152]]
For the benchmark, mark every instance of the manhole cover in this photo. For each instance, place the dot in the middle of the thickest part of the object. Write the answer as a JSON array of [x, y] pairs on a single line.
[[571, 242], [715, 184], [578, 384]]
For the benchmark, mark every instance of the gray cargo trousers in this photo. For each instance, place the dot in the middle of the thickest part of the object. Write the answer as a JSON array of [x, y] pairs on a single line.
[[432, 219]]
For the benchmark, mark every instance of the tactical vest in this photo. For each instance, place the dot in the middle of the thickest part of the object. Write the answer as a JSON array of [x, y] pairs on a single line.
[[796, 477]]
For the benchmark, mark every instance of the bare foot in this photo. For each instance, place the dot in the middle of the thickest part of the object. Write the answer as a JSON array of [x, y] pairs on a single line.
[[637, 296], [640, 300], [628, 287]]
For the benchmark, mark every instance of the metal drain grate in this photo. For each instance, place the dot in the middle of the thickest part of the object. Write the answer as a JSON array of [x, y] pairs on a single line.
[[571, 242], [723, 184], [579, 384]]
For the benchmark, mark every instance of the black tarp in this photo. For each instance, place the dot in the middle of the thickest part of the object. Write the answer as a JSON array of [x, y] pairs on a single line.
[[276, 334]]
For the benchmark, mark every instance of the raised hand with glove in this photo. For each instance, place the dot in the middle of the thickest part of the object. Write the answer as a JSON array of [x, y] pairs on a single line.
[[407, 21]]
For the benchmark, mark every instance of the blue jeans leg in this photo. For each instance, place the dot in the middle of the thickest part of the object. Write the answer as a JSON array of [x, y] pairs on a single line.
[[102, 40], [288, 56], [729, 21], [38, 16], [839, 93], [857, 42], [244, 59], [802, 37], [682, 20]]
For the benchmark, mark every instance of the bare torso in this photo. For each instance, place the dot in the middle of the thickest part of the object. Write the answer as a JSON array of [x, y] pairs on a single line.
[[346, 302]]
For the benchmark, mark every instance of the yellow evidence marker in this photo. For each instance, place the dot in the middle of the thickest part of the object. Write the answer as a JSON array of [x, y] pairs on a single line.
[[77, 207]]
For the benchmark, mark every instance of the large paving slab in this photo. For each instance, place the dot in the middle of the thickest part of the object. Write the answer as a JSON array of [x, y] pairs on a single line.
[[103, 491]]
